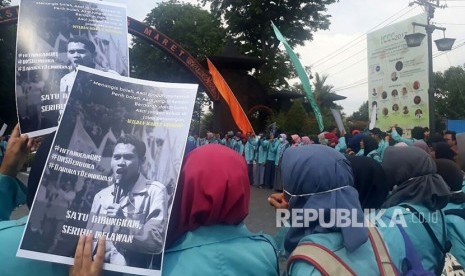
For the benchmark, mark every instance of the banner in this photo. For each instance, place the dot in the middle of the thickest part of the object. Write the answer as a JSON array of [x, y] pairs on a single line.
[[373, 118], [54, 38], [302, 76], [398, 76], [96, 179], [338, 118], [238, 114]]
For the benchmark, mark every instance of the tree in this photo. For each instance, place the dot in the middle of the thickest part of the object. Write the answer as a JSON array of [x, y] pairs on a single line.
[[450, 93], [249, 23], [324, 97], [296, 120], [361, 114], [195, 29]]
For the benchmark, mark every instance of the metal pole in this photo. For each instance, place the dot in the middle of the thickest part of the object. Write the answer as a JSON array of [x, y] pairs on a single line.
[[431, 90], [429, 31]]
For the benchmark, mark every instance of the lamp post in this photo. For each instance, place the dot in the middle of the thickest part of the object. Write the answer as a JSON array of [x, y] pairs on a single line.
[[443, 44]]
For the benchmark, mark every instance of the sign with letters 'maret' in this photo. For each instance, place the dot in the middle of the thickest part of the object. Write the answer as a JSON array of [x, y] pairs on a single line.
[[112, 170], [54, 38]]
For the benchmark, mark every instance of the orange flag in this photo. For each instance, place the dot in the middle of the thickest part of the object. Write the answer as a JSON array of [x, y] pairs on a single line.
[[237, 112]]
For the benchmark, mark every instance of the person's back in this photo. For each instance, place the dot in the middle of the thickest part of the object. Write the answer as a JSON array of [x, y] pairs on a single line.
[[319, 179], [206, 234], [362, 261], [455, 210], [430, 255], [220, 249], [419, 193]]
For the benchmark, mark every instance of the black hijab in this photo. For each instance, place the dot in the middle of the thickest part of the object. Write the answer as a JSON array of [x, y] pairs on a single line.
[[354, 143], [369, 144], [453, 176], [442, 151], [370, 181], [414, 179]]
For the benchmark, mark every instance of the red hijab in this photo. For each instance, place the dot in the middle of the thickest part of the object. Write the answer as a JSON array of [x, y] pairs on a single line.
[[213, 188]]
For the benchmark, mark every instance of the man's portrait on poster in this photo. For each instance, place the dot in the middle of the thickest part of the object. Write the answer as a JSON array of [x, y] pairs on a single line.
[[134, 201]]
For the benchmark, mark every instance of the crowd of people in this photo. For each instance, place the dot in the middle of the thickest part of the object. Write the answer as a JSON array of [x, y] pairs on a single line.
[[263, 153], [413, 188]]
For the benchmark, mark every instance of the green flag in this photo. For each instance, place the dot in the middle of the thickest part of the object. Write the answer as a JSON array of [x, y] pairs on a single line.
[[302, 76]]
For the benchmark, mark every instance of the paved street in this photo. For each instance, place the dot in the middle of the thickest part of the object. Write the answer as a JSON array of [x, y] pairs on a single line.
[[261, 214]]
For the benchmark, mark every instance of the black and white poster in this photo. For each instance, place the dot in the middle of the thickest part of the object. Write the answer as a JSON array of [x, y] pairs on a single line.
[[112, 170], [54, 38], [3, 127]]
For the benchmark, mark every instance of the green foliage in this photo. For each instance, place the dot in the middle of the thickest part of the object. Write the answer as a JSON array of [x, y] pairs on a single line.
[[361, 114], [450, 93], [206, 123], [196, 30], [296, 120], [190, 26], [249, 23], [324, 96]]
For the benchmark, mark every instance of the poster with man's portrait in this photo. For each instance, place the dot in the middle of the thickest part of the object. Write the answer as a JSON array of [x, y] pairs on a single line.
[[112, 171], [54, 38]]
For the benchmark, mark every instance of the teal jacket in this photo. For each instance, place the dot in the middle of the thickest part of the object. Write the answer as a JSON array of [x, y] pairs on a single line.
[[375, 155], [278, 155], [363, 260], [456, 233], [221, 250], [399, 138], [239, 147], [263, 151], [249, 150], [429, 255], [272, 149], [11, 231], [382, 146], [341, 145]]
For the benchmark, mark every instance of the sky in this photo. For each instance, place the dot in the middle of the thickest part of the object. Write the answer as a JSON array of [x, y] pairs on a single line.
[[340, 52]]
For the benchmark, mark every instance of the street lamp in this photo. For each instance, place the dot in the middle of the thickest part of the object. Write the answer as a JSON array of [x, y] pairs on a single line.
[[443, 44]]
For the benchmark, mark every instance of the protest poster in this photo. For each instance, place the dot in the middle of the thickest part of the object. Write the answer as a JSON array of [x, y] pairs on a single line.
[[338, 119], [54, 37], [3, 127], [112, 170]]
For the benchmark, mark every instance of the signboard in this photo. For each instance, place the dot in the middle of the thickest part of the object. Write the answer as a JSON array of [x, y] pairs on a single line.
[[398, 76]]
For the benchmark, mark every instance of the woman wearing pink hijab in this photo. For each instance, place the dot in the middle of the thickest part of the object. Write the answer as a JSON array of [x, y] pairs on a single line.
[[207, 235], [306, 141], [296, 140]]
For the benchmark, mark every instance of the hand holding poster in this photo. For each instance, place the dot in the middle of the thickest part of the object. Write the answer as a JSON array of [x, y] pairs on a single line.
[[96, 179], [54, 38]]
